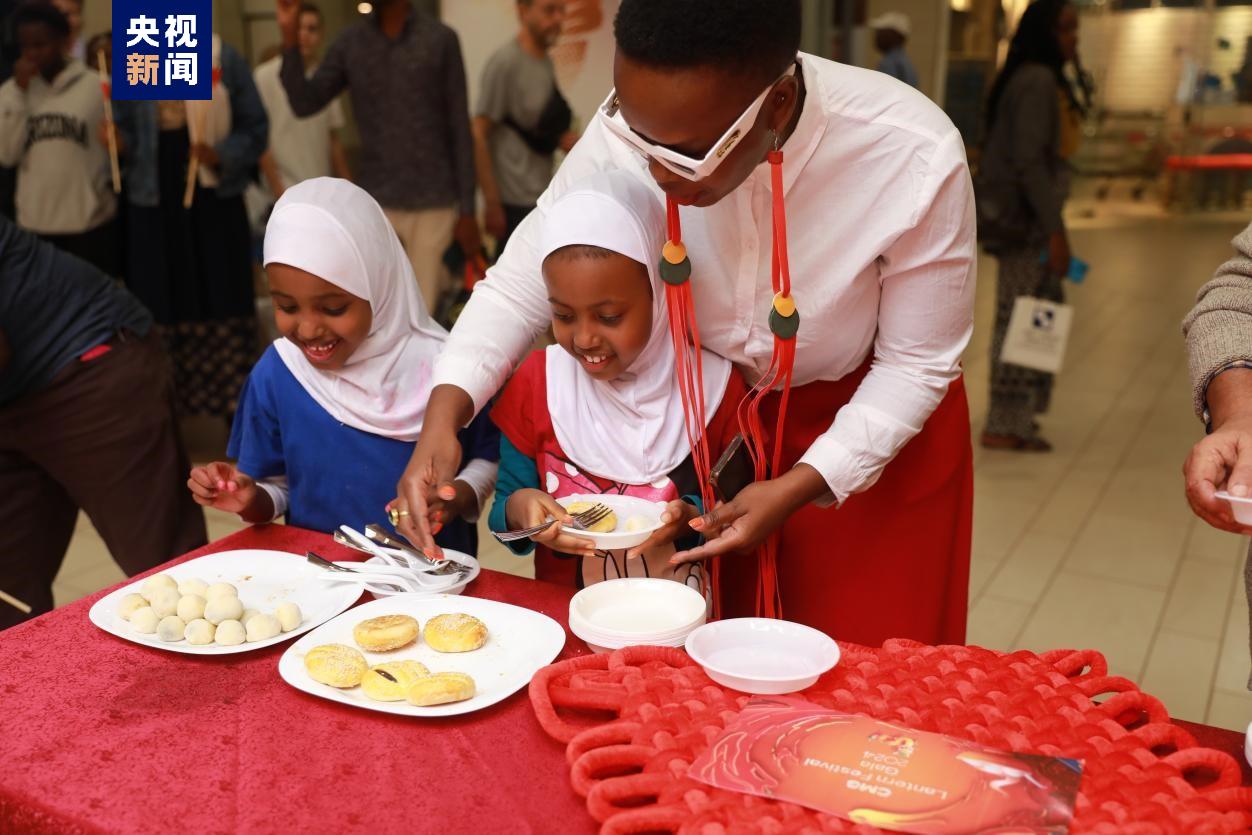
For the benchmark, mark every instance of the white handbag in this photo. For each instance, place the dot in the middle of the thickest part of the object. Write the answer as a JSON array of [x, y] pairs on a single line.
[[1037, 335]]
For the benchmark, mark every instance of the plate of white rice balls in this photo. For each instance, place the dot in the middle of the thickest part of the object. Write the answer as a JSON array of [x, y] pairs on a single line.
[[219, 604]]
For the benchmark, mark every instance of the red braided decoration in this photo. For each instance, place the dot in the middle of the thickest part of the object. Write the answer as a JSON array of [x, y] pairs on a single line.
[[635, 720]]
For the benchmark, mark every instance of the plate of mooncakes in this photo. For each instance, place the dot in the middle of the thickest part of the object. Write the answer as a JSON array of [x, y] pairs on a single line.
[[423, 655]]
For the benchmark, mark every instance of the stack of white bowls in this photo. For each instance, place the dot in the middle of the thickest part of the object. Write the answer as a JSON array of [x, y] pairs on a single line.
[[636, 611]]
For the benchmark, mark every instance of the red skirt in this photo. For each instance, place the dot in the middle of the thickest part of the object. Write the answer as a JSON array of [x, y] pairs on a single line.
[[891, 562]]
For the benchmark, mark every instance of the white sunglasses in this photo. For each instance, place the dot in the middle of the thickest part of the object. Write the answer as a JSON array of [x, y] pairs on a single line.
[[684, 166]]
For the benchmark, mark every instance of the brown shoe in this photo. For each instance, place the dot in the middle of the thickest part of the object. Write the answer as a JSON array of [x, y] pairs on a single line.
[[1013, 443]]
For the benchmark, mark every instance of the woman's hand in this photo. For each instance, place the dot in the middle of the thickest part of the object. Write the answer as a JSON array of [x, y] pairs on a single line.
[[207, 154], [222, 486], [675, 523], [451, 501], [1058, 254], [746, 520], [529, 507], [434, 463]]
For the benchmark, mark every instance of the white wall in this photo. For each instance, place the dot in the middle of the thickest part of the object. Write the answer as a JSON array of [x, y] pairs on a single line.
[[583, 57], [1136, 57]]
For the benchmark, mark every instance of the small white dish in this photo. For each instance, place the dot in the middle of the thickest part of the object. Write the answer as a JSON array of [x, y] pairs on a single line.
[[762, 656], [636, 611], [625, 508], [1241, 506], [519, 643], [263, 578]]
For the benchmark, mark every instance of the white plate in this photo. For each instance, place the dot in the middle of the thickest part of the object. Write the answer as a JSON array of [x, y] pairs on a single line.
[[520, 642], [383, 590], [264, 579], [760, 655], [625, 507]]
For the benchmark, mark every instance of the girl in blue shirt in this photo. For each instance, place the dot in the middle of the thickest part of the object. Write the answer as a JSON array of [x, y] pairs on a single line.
[[329, 416]]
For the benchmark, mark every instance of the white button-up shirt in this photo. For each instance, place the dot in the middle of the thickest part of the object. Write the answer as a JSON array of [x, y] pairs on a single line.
[[880, 216]]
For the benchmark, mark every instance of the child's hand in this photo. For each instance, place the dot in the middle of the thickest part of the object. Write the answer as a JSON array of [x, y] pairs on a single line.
[[675, 521], [222, 486], [528, 508]]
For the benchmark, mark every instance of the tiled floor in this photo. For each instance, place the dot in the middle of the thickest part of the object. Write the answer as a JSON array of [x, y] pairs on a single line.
[[1092, 545]]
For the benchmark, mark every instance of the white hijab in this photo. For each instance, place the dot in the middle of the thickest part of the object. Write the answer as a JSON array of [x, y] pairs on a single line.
[[334, 230], [632, 429]]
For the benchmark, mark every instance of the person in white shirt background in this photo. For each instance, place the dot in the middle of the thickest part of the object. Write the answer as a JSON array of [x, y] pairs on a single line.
[[876, 487], [50, 117], [300, 148]]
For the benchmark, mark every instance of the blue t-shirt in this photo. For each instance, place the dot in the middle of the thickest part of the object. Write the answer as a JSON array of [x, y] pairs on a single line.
[[337, 475], [897, 64]]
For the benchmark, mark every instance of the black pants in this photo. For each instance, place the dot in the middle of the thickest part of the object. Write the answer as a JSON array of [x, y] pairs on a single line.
[[102, 437]]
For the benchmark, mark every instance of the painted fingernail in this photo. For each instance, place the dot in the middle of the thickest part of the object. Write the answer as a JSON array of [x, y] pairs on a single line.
[[697, 524], [1240, 490]]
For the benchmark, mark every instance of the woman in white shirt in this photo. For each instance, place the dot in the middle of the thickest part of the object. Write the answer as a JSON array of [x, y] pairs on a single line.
[[880, 215]]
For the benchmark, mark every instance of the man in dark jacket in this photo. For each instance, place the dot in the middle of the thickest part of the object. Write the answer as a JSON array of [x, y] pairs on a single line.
[[86, 422]]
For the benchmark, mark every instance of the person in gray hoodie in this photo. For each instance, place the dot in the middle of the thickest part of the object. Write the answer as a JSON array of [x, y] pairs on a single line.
[[50, 116]]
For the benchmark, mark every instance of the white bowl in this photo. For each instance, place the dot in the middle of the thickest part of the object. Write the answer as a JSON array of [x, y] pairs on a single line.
[[763, 656], [626, 508], [633, 611], [1241, 506]]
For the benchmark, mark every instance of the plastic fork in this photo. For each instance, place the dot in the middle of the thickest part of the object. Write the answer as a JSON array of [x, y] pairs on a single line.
[[585, 519]]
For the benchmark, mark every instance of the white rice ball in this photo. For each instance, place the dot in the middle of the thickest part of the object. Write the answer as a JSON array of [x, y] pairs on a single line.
[[191, 607], [144, 620], [164, 602], [288, 615], [129, 605], [219, 590], [222, 607], [230, 633], [263, 627], [171, 628], [199, 632], [193, 586], [155, 583]]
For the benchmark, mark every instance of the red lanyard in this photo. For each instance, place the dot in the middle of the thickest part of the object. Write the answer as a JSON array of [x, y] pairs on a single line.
[[675, 269], [784, 321]]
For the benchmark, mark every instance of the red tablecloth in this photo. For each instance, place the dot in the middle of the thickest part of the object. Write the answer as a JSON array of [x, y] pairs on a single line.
[[100, 734]]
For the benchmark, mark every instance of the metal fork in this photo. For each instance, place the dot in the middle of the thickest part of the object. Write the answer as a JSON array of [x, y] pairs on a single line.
[[440, 569], [322, 562], [378, 577], [596, 513]]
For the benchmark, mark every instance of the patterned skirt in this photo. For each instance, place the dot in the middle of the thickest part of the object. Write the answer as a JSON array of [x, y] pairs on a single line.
[[1018, 394], [193, 270]]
